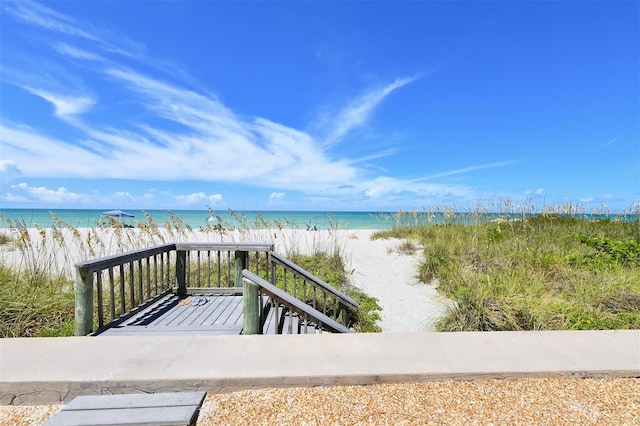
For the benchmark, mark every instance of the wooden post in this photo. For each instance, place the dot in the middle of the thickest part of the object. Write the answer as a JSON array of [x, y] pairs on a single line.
[[83, 290], [181, 272], [342, 317], [251, 308], [240, 264]]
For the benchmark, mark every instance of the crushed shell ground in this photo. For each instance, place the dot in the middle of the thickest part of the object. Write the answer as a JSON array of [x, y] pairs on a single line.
[[491, 402]]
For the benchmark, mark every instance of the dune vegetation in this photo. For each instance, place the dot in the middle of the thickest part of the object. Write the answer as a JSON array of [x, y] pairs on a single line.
[[557, 270], [36, 289]]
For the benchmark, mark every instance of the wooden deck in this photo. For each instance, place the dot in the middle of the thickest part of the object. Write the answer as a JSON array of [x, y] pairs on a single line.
[[220, 314]]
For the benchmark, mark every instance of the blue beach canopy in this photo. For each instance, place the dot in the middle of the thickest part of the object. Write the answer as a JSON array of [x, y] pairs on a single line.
[[117, 213]]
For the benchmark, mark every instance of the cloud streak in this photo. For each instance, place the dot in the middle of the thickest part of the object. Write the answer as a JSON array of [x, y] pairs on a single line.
[[471, 169], [170, 132], [64, 105], [358, 112]]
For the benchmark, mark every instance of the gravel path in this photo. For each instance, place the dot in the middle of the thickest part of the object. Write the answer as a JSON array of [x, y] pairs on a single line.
[[523, 401]]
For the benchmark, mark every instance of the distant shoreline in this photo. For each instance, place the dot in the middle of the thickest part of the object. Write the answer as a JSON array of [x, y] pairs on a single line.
[[275, 219]]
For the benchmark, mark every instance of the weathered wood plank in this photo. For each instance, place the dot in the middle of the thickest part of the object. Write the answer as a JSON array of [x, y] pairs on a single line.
[[138, 400], [119, 259], [137, 409], [225, 315], [153, 312], [157, 416], [173, 331], [229, 291], [259, 247], [236, 316], [191, 314]]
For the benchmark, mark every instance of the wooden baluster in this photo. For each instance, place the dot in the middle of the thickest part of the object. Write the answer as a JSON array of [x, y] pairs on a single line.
[[123, 298], [100, 299], [112, 294], [181, 272], [132, 285]]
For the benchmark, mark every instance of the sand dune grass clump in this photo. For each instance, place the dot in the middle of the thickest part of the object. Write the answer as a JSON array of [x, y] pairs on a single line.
[[524, 271]]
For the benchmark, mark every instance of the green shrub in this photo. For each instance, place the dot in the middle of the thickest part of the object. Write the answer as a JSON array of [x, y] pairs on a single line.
[[548, 271]]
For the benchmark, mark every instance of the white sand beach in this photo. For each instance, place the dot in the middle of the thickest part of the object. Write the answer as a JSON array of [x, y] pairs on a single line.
[[376, 266]]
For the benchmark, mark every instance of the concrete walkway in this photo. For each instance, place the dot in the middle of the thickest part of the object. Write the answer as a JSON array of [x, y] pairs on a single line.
[[55, 370]]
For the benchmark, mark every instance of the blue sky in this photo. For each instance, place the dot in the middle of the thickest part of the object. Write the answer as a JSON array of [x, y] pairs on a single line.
[[335, 106]]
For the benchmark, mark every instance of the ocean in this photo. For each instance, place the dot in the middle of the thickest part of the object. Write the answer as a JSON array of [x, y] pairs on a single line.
[[87, 218], [196, 219]]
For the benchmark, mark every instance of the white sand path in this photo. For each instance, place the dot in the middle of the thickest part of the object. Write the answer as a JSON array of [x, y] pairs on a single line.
[[381, 271]]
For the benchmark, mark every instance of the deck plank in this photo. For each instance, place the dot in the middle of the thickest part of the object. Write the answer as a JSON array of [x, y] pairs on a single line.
[[180, 408], [221, 315], [214, 314]]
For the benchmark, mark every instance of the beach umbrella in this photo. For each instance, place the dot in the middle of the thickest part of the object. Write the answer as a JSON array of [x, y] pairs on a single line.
[[117, 213]]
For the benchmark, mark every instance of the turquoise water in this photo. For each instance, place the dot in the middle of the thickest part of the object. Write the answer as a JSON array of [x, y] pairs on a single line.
[[86, 218]]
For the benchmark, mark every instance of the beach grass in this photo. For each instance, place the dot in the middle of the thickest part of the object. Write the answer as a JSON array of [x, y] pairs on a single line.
[[548, 271], [36, 289]]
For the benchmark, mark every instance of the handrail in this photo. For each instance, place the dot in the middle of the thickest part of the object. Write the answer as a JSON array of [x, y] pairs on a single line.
[[295, 305], [132, 278], [315, 281], [121, 283], [260, 247], [126, 281], [119, 259]]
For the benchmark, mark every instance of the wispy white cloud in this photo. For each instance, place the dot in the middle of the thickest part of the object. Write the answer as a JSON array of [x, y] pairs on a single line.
[[358, 111], [538, 192], [64, 105], [199, 199], [610, 142], [24, 192], [37, 14], [472, 169], [8, 171], [276, 195], [75, 52], [204, 139]]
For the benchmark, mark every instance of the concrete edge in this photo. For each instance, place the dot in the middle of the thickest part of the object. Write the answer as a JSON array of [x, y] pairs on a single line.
[[38, 393]]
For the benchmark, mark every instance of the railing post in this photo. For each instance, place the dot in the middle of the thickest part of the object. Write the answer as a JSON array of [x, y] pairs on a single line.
[[240, 264], [181, 272], [342, 314], [83, 290], [251, 306]]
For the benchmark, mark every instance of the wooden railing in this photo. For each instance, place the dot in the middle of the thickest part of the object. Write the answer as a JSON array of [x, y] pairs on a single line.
[[128, 282], [119, 286], [132, 279], [289, 312], [312, 290], [209, 265]]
